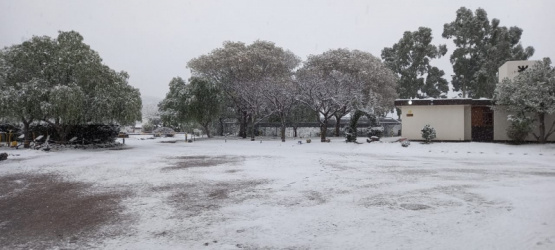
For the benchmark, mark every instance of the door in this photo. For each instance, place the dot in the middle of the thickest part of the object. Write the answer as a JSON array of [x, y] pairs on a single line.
[[482, 123]]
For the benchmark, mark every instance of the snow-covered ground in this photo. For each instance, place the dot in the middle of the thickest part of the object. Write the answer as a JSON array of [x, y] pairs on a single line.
[[267, 194]]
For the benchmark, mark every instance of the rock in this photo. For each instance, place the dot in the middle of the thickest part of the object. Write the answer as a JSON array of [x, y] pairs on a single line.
[[3, 156]]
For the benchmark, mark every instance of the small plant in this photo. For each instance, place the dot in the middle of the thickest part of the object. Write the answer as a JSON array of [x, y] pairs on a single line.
[[519, 128], [375, 131], [350, 134], [428, 133]]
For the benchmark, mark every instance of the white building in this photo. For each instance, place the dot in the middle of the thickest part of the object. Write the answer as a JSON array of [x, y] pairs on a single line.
[[463, 119]]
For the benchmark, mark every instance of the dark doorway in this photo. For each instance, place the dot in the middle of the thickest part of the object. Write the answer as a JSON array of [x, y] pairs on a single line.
[[482, 123]]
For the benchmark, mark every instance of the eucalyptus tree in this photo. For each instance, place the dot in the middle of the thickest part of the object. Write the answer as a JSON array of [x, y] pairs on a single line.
[[63, 82], [532, 92], [410, 59], [482, 47], [202, 105], [24, 77], [241, 71], [173, 108], [341, 81]]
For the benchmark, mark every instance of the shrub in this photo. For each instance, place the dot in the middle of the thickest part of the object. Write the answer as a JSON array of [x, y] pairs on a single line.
[[147, 127], [519, 128], [428, 133], [375, 131], [350, 134], [95, 133]]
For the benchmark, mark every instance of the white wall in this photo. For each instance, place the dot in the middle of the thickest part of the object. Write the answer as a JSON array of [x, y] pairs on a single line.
[[448, 121], [510, 69], [467, 123]]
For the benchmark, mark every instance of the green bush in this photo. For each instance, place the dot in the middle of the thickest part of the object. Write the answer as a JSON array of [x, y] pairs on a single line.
[[519, 128], [350, 134], [428, 133]]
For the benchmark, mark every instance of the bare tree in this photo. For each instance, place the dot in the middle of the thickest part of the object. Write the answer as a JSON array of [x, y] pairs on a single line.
[[280, 96], [341, 81], [242, 71]]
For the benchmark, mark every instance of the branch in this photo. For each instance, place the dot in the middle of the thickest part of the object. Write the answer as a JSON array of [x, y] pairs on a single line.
[[535, 136], [551, 130]]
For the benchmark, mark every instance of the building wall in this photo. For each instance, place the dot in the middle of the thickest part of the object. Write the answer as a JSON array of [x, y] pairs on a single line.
[[449, 121], [467, 123], [501, 124], [510, 69]]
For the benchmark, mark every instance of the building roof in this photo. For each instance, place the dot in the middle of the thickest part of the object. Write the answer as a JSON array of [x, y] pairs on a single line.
[[454, 101]]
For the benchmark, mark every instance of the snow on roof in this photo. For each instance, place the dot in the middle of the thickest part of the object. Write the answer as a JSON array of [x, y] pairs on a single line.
[[446, 101]]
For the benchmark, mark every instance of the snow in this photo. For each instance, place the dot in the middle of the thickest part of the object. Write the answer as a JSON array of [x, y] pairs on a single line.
[[316, 195]]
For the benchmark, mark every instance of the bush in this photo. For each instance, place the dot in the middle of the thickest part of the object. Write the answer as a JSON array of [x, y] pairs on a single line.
[[147, 127], [519, 128], [350, 134], [95, 133], [428, 133], [375, 131]]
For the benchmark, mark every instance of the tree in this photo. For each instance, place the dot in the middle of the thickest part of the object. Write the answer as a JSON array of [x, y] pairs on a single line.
[[482, 47], [352, 134], [23, 80], [241, 71], [53, 80], [173, 109], [22, 102], [532, 92], [410, 60], [300, 113], [340, 81], [202, 105], [280, 95]]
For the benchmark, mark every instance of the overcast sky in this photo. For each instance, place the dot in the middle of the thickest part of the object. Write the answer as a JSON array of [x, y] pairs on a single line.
[[154, 40]]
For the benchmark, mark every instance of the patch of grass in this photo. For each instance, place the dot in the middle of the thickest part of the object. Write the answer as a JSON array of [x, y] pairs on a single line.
[[168, 141], [194, 199], [202, 161], [46, 211]]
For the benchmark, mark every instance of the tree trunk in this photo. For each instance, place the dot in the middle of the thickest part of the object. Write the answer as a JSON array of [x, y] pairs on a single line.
[[221, 126], [282, 130], [26, 140], [295, 131], [207, 131], [541, 120], [243, 121], [337, 126], [338, 120], [252, 127], [323, 130], [62, 131], [354, 119]]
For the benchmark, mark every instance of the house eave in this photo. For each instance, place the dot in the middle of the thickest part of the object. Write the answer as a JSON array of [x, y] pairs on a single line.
[[430, 102]]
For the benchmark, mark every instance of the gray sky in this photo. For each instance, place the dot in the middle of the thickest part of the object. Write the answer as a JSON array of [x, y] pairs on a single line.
[[153, 40]]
